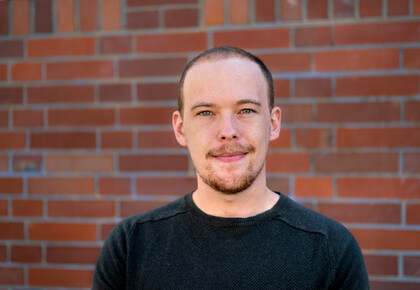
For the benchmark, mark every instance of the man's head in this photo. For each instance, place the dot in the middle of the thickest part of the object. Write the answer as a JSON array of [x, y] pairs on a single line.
[[225, 52]]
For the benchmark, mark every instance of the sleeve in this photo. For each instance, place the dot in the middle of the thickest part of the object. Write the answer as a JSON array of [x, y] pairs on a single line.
[[110, 270], [349, 270]]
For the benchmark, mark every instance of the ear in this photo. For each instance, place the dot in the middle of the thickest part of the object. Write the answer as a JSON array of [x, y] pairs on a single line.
[[275, 123], [178, 125]]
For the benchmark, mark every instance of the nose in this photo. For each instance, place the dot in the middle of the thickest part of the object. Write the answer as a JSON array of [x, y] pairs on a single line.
[[228, 129]]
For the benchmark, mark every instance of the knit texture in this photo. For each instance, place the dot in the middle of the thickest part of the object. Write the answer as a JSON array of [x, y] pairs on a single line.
[[180, 247]]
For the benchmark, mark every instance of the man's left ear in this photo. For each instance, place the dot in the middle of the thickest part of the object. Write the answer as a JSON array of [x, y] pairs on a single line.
[[178, 126], [275, 123]]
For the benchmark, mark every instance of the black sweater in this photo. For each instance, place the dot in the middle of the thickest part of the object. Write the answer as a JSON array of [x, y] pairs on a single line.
[[178, 246]]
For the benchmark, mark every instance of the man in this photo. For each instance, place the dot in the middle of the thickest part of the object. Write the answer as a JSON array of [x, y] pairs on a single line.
[[232, 232]]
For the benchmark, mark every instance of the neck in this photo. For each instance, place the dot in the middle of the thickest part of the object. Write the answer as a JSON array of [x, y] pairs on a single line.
[[254, 200]]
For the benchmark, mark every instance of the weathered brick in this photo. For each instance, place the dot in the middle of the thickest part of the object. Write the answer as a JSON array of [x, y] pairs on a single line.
[[43, 16], [412, 111], [81, 208], [158, 2], [4, 163], [290, 10], [411, 266], [61, 185], [416, 7], [81, 117], [27, 162], [62, 140], [411, 162], [72, 255], [157, 139], [311, 187], [115, 185], [279, 185], [44, 231], [181, 17], [142, 19], [117, 139], [165, 186], [54, 277], [110, 14], [370, 8], [398, 7], [21, 17], [281, 88], [88, 15], [26, 254], [239, 11], [11, 231], [296, 113], [28, 118], [175, 42], [313, 87], [288, 162], [151, 67], [343, 8], [65, 15], [384, 239], [317, 9], [4, 17], [11, 95], [413, 214], [11, 48], [4, 118], [79, 163], [115, 93], [287, 62], [12, 276], [412, 58], [313, 36], [255, 38], [80, 70], [61, 94], [143, 116], [61, 46], [157, 91], [381, 265], [284, 141], [12, 140], [3, 253], [115, 44], [27, 208], [3, 72], [265, 11], [214, 11], [153, 163], [26, 71], [129, 208], [394, 285]]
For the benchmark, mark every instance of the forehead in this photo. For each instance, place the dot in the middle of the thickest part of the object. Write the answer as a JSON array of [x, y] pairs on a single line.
[[227, 78]]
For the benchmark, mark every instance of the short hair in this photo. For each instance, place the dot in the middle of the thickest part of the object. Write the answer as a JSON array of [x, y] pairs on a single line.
[[220, 53]]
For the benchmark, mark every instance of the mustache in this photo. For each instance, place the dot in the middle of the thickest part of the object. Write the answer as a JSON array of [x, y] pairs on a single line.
[[229, 148]]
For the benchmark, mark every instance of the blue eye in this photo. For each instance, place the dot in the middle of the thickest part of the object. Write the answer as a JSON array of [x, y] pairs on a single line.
[[247, 111], [204, 113]]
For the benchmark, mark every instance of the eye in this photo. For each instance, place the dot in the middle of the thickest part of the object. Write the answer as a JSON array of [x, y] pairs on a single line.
[[247, 111], [204, 113]]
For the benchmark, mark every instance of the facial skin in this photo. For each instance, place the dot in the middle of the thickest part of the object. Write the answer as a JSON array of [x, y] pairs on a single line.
[[227, 123]]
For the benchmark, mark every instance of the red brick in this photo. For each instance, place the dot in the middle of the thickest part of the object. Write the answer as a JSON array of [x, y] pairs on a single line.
[[368, 59], [398, 7], [279, 185], [81, 117], [317, 9], [413, 214], [181, 17], [63, 140], [12, 140], [295, 113], [11, 185], [3, 71], [129, 208], [281, 88], [283, 141], [79, 163], [381, 265], [151, 67], [61, 185], [379, 239], [81, 208], [61, 46], [60, 277], [65, 15], [343, 8], [411, 266], [4, 118], [11, 95], [4, 211], [72, 255], [412, 111], [88, 15], [27, 162], [314, 87], [43, 16], [146, 116], [12, 276], [165, 186], [290, 10], [153, 163], [313, 36], [11, 48], [287, 62], [27, 208], [214, 11], [255, 38], [377, 85], [378, 187], [4, 17], [114, 185], [356, 162], [157, 92], [61, 94], [175, 42], [4, 163], [3, 253], [142, 19], [362, 213], [387, 285], [26, 254], [239, 11], [11, 231], [80, 70], [366, 112], [158, 2], [105, 230], [28, 118], [311, 187], [377, 33], [411, 162], [416, 7], [21, 17], [115, 44], [378, 137], [288, 162], [62, 232], [411, 58], [110, 14], [115, 93], [116, 140], [369, 8], [265, 11], [26, 71], [157, 139]]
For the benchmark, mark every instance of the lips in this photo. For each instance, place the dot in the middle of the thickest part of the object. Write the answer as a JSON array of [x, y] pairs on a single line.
[[231, 156], [230, 152]]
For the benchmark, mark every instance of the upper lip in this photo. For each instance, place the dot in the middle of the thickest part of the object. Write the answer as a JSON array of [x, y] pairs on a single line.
[[230, 154]]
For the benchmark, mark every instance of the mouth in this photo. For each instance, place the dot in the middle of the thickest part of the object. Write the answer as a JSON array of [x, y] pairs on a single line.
[[230, 156], [230, 153]]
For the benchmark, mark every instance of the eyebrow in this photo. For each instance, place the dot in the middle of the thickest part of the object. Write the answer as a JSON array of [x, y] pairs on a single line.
[[240, 102]]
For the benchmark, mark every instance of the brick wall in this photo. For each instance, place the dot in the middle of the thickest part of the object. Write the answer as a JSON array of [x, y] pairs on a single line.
[[87, 88]]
